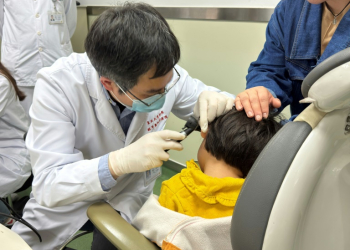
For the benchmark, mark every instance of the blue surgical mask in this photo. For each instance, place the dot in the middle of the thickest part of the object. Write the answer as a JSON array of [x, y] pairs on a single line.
[[138, 106], [152, 103]]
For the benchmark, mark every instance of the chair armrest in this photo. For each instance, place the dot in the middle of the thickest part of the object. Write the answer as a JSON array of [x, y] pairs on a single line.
[[11, 241], [118, 231]]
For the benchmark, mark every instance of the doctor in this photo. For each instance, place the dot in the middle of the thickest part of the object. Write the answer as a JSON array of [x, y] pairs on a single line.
[[98, 120], [34, 35]]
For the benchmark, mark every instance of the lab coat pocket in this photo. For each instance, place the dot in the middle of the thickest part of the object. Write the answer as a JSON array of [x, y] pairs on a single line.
[[66, 45], [9, 56]]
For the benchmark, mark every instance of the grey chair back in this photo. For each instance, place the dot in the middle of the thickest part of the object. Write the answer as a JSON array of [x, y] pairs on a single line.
[[258, 194], [327, 65]]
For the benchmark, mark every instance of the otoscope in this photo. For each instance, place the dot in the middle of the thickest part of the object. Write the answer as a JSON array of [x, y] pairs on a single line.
[[190, 126]]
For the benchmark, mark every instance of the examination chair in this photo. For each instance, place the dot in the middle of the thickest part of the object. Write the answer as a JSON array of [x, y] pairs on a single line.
[[297, 195], [9, 240]]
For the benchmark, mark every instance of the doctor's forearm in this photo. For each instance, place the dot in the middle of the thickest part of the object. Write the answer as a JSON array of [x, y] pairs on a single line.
[[66, 184], [107, 180], [112, 165]]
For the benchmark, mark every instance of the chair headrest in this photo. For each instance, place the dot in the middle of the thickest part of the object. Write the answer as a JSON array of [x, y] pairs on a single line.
[[332, 90], [328, 85]]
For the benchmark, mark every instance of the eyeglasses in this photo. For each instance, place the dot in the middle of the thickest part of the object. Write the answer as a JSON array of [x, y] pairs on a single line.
[[18, 218], [166, 90]]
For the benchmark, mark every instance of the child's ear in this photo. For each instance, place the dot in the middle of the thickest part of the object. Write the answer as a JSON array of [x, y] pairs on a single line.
[[204, 135]]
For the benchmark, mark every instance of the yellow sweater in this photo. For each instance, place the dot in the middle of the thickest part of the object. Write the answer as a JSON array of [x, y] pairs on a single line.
[[194, 193]]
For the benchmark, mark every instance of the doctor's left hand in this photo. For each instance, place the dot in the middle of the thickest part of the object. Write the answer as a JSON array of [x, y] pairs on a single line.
[[144, 154], [210, 105]]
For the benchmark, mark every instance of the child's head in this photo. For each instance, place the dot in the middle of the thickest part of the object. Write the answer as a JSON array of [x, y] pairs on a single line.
[[237, 140]]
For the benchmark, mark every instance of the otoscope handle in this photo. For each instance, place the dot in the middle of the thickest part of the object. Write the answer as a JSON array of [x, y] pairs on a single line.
[[190, 126], [185, 132]]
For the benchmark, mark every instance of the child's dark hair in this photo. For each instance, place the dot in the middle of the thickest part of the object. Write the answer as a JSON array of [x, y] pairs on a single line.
[[238, 140]]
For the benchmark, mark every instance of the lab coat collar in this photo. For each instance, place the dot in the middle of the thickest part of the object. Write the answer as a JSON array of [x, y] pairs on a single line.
[[137, 127], [105, 113]]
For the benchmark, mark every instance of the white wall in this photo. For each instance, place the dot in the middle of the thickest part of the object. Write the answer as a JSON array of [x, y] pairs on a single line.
[[219, 54], [191, 3]]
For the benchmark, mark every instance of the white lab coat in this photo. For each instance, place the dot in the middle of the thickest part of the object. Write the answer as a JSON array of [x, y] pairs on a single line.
[[29, 42], [14, 157], [73, 125]]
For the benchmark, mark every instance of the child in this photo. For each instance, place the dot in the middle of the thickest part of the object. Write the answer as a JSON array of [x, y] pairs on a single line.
[[208, 189], [227, 153]]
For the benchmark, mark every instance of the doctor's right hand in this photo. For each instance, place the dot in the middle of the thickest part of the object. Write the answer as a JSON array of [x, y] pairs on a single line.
[[256, 102], [144, 154]]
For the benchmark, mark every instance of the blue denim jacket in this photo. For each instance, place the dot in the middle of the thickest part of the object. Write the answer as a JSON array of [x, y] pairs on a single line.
[[292, 50]]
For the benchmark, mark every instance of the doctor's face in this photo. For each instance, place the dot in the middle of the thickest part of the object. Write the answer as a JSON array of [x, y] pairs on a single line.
[[145, 87]]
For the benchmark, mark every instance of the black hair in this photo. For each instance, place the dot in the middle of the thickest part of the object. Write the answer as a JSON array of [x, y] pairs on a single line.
[[238, 140], [125, 42]]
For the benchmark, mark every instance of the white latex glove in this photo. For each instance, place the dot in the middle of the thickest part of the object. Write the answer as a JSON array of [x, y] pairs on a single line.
[[144, 154], [210, 105]]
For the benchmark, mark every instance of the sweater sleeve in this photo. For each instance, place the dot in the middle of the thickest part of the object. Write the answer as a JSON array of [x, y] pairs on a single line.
[[270, 70]]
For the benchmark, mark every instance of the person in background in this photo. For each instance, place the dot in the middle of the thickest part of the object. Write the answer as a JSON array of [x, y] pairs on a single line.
[[15, 166], [300, 35], [31, 39]]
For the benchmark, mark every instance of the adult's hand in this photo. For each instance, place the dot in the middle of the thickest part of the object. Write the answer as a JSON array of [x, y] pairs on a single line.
[[210, 105], [256, 102], [144, 154]]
